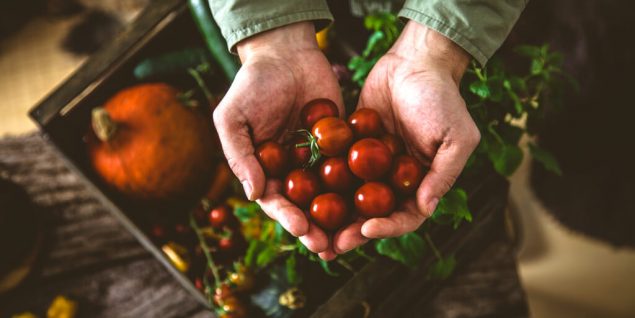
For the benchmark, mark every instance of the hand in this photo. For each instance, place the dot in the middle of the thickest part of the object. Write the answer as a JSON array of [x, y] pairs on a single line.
[[415, 89], [282, 70]]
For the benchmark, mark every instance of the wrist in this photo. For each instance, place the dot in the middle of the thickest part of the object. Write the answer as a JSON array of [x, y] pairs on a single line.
[[284, 40], [432, 50]]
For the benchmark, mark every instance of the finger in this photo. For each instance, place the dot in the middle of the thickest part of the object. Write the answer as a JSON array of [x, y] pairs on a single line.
[[446, 166], [238, 148], [349, 238], [327, 255], [398, 223], [277, 207], [315, 239]]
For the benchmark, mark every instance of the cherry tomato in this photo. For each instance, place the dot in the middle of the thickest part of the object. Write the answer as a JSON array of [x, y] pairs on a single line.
[[222, 293], [316, 110], [374, 200], [243, 279], [369, 159], [301, 186], [333, 136], [229, 243], [365, 122], [336, 176], [182, 229], [158, 231], [272, 158], [198, 283], [406, 174], [329, 211], [220, 216], [394, 143], [299, 156], [233, 308]]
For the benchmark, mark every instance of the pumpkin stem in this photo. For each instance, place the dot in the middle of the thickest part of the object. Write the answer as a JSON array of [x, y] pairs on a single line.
[[103, 125]]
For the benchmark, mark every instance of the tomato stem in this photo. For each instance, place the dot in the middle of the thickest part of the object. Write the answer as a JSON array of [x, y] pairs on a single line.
[[436, 251], [302, 145], [201, 84], [208, 255]]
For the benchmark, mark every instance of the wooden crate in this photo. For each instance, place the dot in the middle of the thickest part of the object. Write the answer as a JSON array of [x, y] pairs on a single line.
[[387, 287]]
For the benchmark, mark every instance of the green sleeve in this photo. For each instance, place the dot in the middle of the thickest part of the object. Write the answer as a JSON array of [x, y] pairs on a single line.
[[240, 19], [478, 26]]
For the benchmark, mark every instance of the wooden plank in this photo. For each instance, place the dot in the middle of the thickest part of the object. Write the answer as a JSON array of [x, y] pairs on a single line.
[[79, 230], [88, 254]]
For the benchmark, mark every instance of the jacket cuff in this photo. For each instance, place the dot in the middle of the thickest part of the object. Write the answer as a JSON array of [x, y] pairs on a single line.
[[479, 27], [239, 20]]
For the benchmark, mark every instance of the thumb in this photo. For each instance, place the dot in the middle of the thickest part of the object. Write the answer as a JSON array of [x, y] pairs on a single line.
[[233, 132], [446, 166]]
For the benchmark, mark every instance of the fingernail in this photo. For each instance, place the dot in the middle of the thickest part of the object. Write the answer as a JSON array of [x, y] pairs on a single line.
[[248, 190], [432, 205]]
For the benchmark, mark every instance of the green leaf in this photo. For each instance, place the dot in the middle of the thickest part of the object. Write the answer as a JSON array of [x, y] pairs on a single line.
[[480, 89], [510, 134], [292, 273], [278, 232], [373, 41], [442, 268], [246, 212], [327, 269], [301, 248], [407, 249], [453, 208], [506, 158], [266, 255], [495, 84], [253, 248], [545, 158], [537, 66], [518, 105]]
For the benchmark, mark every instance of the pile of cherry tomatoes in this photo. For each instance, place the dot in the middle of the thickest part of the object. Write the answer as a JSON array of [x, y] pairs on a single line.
[[340, 170]]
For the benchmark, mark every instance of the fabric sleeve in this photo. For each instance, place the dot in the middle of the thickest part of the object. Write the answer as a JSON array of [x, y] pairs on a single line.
[[240, 19], [478, 26]]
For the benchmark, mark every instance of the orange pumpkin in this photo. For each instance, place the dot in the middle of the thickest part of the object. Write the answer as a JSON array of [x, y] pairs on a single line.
[[150, 146]]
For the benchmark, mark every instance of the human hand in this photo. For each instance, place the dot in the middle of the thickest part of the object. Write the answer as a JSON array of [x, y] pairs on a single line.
[[415, 89], [282, 69]]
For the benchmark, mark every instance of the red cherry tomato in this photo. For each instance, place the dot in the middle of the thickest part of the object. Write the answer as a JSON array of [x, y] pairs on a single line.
[[406, 174], [158, 231], [374, 200], [198, 283], [365, 122], [329, 211], [220, 216], [369, 159], [316, 110], [272, 158], [299, 156], [333, 136], [230, 243], [222, 293], [394, 143], [336, 176], [301, 186]]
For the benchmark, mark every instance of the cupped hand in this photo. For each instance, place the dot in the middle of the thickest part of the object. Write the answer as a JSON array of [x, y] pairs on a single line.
[[282, 70], [415, 89]]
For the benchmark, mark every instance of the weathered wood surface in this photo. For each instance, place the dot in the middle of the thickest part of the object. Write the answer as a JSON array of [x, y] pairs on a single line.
[[87, 254], [90, 257]]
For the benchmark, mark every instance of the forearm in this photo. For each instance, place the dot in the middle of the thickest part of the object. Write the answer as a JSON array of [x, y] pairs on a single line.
[[432, 50]]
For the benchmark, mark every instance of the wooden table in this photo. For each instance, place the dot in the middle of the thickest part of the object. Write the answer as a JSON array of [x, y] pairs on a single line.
[[91, 258]]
